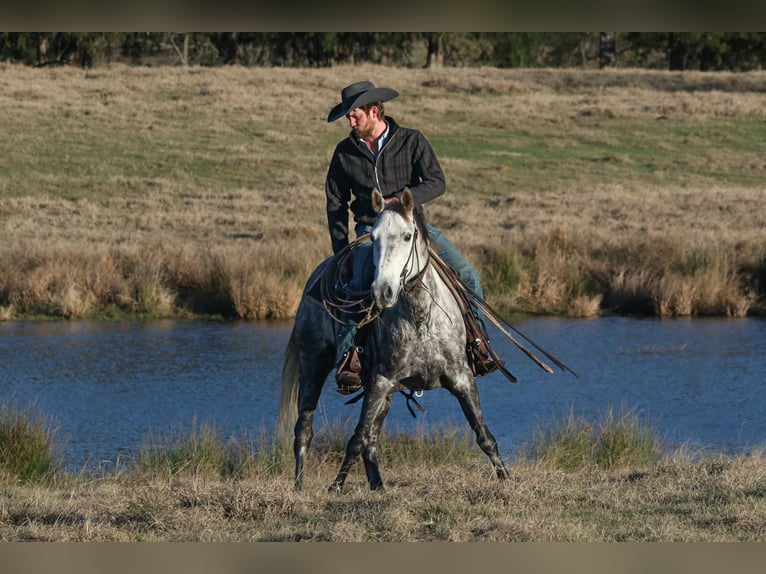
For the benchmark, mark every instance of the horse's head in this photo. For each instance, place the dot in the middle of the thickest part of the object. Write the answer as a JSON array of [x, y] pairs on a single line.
[[400, 250]]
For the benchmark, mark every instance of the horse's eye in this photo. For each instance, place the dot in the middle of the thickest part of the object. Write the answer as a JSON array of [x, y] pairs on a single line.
[[407, 236]]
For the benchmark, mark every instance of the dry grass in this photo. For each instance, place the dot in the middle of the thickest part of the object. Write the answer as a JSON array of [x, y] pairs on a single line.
[[674, 500], [598, 183], [582, 482]]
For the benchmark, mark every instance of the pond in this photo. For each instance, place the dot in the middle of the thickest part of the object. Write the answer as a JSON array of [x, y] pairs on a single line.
[[109, 386]]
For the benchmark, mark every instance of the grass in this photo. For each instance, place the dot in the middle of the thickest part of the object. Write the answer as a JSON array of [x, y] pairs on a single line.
[[186, 191], [618, 440], [26, 445], [198, 485]]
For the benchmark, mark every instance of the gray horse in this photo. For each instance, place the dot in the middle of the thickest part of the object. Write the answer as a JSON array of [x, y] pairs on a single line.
[[418, 341]]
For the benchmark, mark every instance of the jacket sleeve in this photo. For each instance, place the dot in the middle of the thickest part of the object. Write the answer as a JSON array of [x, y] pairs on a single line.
[[428, 180], [338, 192]]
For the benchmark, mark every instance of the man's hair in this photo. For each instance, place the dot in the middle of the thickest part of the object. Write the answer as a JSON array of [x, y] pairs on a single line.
[[379, 105]]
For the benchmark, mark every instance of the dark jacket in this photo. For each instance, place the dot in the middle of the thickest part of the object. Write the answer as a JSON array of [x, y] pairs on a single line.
[[406, 159]]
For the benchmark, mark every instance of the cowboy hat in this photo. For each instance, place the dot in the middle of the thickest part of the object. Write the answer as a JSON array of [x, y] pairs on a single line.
[[357, 95]]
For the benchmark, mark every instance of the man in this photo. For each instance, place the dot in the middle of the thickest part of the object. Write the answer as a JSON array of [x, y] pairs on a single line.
[[380, 154]]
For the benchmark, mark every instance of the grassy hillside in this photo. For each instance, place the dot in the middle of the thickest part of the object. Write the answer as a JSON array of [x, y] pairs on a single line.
[[175, 191]]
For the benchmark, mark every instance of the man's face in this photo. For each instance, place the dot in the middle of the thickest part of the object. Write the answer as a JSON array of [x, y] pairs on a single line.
[[362, 123]]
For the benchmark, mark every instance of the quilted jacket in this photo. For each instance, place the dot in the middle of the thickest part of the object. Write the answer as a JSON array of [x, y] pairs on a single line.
[[406, 160]]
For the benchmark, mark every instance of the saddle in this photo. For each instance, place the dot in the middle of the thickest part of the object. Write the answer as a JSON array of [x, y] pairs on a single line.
[[482, 358]]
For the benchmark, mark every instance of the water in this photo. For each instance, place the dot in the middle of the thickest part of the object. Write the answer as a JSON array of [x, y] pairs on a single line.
[[109, 386]]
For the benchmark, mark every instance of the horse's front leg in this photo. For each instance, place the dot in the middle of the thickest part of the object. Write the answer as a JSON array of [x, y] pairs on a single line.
[[464, 389], [375, 406], [370, 454]]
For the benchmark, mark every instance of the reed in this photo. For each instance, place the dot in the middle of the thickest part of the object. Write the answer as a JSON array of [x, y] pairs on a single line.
[[584, 277]]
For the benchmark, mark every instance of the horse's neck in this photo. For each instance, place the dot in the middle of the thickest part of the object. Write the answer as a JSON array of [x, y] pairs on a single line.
[[432, 296]]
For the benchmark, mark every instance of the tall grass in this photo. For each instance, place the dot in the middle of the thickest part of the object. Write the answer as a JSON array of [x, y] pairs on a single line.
[[26, 444], [617, 440], [201, 450], [263, 282], [579, 275]]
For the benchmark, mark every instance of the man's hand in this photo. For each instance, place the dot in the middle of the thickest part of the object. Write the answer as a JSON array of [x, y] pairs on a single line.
[[392, 199]]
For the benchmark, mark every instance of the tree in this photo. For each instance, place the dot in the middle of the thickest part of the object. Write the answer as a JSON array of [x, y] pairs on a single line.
[[607, 49], [435, 47]]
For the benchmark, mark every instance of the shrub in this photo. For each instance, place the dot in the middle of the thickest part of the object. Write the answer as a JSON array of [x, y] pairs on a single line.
[[501, 272]]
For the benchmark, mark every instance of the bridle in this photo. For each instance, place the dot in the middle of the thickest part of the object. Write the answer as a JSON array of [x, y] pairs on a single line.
[[413, 262], [338, 301]]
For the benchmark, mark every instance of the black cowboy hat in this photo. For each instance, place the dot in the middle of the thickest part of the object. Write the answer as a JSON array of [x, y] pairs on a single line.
[[357, 95]]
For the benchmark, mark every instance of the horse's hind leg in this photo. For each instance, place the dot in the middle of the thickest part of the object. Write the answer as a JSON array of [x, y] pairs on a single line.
[[308, 397], [468, 396], [304, 433]]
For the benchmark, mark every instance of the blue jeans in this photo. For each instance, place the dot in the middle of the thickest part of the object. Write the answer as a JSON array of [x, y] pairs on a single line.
[[363, 273]]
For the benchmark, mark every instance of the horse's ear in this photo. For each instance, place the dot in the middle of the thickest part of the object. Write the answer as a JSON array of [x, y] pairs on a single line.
[[378, 203], [407, 200]]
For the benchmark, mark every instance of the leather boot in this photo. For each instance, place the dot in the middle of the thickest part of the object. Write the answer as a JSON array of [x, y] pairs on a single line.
[[480, 358], [349, 377]]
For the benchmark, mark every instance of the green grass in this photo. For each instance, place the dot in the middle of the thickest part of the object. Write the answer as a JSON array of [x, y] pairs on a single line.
[[502, 272], [200, 450], [614, 149], [618, 440], [26, 445]]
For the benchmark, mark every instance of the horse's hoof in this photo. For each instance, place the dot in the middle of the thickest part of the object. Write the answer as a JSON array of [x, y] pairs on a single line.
[[335, 487]]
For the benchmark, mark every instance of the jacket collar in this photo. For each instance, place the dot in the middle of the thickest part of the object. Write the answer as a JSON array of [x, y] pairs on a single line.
[[393, 128]]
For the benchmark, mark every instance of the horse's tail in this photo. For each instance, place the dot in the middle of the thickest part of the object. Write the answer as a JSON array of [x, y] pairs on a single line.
[[288, 395]]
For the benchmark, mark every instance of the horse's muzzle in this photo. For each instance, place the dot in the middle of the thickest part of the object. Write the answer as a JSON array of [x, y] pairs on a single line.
[[383, 295]]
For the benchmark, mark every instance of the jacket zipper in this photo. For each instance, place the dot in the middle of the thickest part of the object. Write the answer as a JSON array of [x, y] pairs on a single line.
[[375, 164]]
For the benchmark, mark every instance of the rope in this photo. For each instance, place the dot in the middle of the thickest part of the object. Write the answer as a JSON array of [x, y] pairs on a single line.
[[340, 302]]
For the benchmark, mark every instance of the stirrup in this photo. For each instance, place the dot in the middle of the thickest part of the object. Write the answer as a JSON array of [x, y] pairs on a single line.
[[348, 377]]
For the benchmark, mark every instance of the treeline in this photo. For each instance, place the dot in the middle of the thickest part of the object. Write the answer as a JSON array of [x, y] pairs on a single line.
[[705, 51]]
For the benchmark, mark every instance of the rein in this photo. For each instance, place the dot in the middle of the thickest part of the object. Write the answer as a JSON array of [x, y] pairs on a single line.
[[361, 303]]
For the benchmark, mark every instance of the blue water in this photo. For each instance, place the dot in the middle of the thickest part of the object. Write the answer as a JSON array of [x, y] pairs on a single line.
[[109, 386]]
